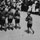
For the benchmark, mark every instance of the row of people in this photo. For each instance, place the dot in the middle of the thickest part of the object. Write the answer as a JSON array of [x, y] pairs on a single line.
[[7, 18], [32, 6], [10, 16], [16, 16]]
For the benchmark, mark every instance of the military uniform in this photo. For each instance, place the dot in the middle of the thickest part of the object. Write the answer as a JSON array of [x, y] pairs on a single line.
[[29, 21], [17, 17], [10, 17]]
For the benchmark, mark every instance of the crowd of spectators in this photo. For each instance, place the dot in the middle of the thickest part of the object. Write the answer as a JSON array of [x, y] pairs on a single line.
[[23, 5]]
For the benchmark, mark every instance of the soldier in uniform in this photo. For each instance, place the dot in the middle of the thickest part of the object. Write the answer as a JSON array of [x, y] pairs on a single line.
[[2, 8], [17, 19], [0, 21], [29, 23], [10, 19], [3, 22]]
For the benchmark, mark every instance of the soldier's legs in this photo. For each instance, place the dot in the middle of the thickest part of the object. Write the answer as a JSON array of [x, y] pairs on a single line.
[[8, 27], [0, 24], [31, 28], [6, 23], [10, 23], [3, 25], [28, 26], [17, 23], [0, 27]]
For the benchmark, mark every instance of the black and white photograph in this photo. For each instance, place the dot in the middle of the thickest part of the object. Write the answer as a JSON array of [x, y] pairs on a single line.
[[19, 19]]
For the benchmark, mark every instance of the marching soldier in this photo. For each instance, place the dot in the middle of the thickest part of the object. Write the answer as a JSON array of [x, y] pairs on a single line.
[[29, 23], [0, 21], [2, 16], [10, 19], [17, 19]]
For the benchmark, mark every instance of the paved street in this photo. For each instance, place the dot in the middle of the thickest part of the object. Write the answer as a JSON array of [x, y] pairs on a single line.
[[20, 34]]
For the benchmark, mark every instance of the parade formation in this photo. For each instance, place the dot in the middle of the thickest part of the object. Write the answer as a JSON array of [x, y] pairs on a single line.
[[6, 16]]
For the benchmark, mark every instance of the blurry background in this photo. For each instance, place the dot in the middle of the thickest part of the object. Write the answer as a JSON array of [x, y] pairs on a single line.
[[5, 5]]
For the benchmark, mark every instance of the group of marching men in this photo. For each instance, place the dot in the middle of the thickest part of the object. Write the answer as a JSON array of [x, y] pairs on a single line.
[[6, 18]]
